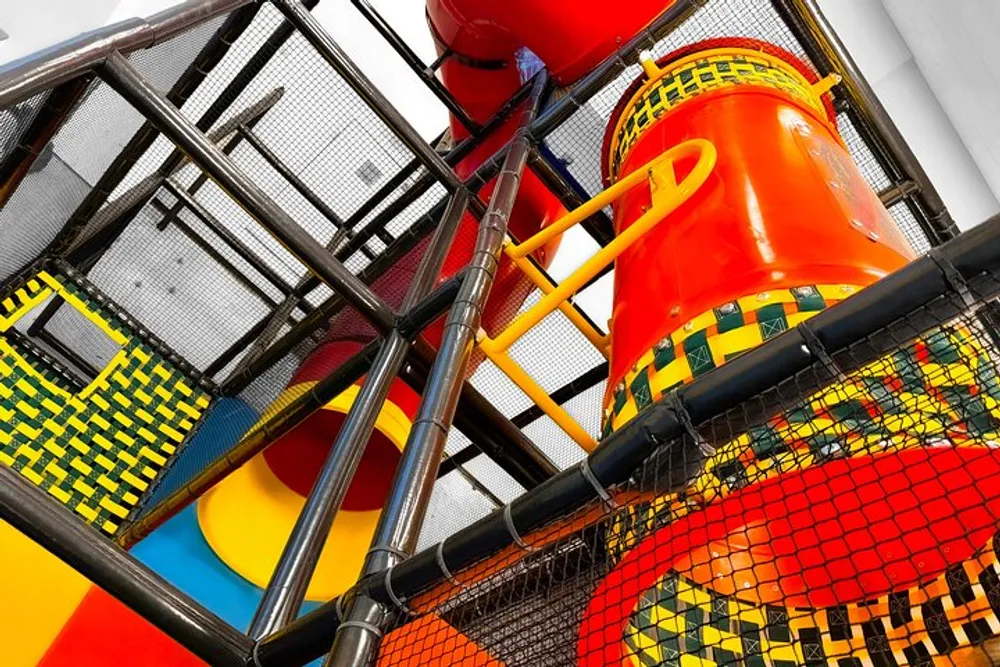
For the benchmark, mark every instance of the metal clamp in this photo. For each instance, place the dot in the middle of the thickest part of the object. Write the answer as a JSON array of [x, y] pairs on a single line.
[[602, 493], [677, 405], [362, 625], [389, 550], [392, 595], [509, 521], [815, 347], [953, 277], [439, 557]]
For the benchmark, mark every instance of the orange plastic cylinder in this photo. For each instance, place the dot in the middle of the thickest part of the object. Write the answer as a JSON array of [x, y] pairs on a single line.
[[784, 208]]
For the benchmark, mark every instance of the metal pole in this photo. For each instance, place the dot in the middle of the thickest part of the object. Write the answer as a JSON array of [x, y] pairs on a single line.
[[402, 517], [419, 188], [425, 73], [213, 253], [103, 223], [285, 172], [315, 34], [232, 241], [54, 527], [58, 64], [122, 76], [287, 588], [823, 45], [278, 317]]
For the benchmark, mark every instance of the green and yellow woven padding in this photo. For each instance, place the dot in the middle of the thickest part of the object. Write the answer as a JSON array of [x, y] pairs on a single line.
[[940, 388], [697, 75], [97, 450], [678, 618], [712, 339]]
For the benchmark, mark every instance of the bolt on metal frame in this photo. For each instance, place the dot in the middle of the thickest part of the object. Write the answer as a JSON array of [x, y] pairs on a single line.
[[55, 527]]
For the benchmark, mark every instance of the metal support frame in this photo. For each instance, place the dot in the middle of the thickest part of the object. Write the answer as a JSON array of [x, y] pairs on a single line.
[[309, 326], [412, 60], [388, 213], [485, 426], [297, 183], [122, 76], [228, 238], [210, 250], [300, 17], [343, 232], [287, 588], [828, 53], [402, 516], [86, 52], [28, 509]]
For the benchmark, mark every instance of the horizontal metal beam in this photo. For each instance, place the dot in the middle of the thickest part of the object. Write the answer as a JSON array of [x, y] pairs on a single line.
[[36, 73], [310, 28]]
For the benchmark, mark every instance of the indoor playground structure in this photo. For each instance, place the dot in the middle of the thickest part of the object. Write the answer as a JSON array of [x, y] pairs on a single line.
[[282, 382]]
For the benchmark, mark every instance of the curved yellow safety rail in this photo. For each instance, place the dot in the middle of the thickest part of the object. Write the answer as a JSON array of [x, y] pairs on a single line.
[[667, 195]]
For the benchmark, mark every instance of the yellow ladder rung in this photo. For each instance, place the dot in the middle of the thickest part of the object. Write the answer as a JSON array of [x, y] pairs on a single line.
[[536, 393]]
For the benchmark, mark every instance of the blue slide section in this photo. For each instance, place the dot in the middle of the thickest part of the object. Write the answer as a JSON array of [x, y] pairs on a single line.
[[178, 552]]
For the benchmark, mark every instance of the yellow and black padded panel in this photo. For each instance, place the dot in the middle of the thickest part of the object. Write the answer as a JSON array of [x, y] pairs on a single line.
[[95, 450]]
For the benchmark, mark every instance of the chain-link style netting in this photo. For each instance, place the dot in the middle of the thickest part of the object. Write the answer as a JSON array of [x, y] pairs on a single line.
[[849, 523]]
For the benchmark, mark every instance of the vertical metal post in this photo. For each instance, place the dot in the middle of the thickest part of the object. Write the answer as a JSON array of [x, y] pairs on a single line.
[[313, 31], [123, 77], [28, 509], [402, 516], [287, 588], [821, 42]]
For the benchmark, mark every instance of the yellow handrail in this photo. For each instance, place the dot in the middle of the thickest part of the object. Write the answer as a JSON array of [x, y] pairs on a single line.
[[667, 195]]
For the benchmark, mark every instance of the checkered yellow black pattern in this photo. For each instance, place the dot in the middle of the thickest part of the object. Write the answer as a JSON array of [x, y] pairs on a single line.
[[697, 75], [713, 338], [679, 623], [97, 450], [942, 388]]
